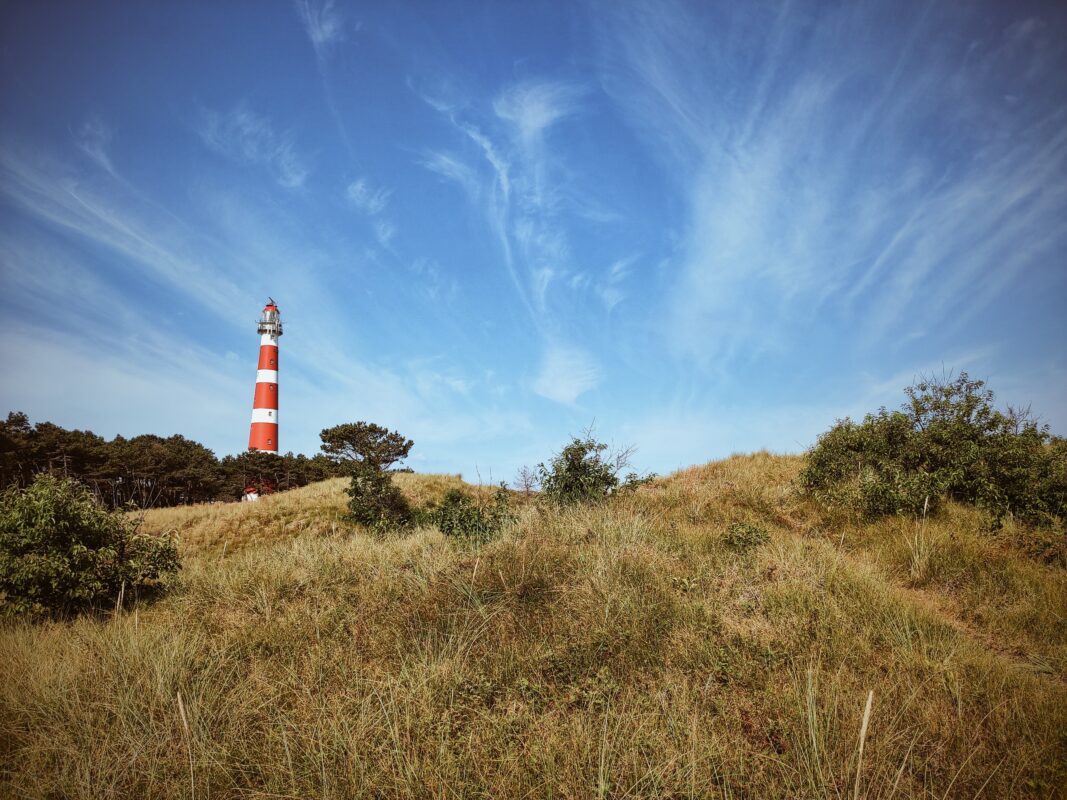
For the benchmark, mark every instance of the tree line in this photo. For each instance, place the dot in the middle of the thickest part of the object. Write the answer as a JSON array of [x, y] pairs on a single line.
[[148, 470]]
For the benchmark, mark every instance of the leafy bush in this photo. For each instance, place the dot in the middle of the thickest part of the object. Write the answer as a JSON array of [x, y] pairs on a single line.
[[580, 473], [374, 500], [948, 440], [461, 515], [744, 536], [61, 551]]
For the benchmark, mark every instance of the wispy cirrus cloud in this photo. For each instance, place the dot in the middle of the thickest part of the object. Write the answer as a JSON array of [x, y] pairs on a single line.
[[245, 136], [535, 106], [456, 170], [116, 219], [326, 30], [566, 373], [94, 139], [372, 201], [515, 186], [368, 198], [934, 197], [384, 230], [515, 181], [437, 284], [610, 288], [322, 22]]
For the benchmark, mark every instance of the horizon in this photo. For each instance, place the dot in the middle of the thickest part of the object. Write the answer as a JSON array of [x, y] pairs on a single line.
[[706, 230]]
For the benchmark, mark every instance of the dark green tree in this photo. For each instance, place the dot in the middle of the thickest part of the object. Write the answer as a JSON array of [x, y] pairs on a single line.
[[15, 436], [367, 450], [365, 442], [150, 470]]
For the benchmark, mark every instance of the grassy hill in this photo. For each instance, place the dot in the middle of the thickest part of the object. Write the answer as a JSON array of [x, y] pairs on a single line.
[[649, 647]]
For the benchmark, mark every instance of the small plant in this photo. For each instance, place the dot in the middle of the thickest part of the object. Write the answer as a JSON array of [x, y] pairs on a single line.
[[526, 481], [919, 550], [62, 552], [374, 500], [461, 515], [744, 536], [585, 472]]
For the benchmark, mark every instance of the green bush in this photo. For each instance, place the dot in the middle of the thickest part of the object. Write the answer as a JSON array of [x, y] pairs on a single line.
[[744, 536], [374, 500], [461, 515], [582, 473], [62, 552], [948, 440]]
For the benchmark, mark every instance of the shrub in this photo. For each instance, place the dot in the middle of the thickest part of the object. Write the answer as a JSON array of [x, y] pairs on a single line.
[[61, 551], [580, 473], [744, 536], [461, 515], [374, 500], [948, 440]]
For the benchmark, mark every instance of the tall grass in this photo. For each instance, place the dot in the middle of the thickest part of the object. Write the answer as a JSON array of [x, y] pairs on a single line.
[[616, 651]]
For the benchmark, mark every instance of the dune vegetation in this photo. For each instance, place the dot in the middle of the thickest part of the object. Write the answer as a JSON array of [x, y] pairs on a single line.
[[708, 634]]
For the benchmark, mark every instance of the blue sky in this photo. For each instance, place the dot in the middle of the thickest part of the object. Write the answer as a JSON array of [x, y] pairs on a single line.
[[707, 228]]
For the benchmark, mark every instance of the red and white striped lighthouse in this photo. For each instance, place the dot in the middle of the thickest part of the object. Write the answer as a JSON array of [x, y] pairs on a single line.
[[264, 433]]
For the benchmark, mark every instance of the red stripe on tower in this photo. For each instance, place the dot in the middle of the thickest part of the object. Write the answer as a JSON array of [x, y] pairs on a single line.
[[264, 432]]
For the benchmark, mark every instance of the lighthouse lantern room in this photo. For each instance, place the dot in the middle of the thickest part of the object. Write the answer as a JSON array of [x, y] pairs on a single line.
[[264, 432]]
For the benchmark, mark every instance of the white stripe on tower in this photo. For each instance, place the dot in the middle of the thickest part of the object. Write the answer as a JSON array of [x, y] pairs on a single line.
[[265, 415], [264, 431]]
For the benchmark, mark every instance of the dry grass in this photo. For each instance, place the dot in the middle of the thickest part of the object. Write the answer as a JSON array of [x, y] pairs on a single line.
[[318, 509], [621, 651]]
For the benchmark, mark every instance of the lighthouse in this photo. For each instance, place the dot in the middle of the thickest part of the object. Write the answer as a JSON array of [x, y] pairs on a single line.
[[264, 432]]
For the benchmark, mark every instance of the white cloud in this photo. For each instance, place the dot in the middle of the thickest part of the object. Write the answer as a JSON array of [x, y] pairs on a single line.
[[367, 198], [437, 92], [437, 284], [322, 23], [94, 139], [245, 136], [610, 289], [372, 201], [384, 231], [454, 169], [534, 106], [566, 373], [430, 381]]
